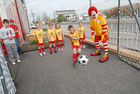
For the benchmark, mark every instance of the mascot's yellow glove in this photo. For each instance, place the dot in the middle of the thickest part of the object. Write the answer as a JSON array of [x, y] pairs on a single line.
[[92, 35], [104, 35]]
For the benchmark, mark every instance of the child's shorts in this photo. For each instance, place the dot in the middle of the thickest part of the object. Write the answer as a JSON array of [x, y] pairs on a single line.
[[40, 44], [59, 40], [76, 47], [52, 42]]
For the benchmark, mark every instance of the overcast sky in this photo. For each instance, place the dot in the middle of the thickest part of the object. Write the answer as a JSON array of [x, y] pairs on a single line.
[[81, 6]]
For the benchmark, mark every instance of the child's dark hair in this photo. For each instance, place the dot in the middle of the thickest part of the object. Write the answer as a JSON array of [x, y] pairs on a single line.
[[5, 21], [70, 26]]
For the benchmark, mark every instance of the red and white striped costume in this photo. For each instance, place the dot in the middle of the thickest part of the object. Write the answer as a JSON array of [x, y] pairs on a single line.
[[99, 31]]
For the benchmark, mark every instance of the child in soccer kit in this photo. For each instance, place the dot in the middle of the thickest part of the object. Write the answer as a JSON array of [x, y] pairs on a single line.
[[52, 38], [75, 41], [39, 34], [8, 34], [59, 36], [81, 31]]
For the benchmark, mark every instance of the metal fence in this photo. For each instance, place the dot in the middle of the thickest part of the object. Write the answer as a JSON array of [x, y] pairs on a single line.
[[6, 83], [129, 33]]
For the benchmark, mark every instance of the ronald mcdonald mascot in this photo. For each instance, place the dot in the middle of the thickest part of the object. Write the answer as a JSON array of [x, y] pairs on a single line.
[[99, 31]]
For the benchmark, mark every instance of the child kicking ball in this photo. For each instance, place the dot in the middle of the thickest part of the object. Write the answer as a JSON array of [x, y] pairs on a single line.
[[75, 41]]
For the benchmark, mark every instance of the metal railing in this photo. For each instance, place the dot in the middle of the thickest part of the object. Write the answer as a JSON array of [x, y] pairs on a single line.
[[6, 83]]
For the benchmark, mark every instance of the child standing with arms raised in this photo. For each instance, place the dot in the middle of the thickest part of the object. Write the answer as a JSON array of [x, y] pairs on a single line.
[[75, 41]]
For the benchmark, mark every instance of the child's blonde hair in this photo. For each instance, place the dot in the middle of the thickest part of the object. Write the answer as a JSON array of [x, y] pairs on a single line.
[[80, 22], [56, 26]]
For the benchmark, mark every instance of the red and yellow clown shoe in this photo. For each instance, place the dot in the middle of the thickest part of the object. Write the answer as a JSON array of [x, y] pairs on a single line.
[[105, 58], [95, 54]]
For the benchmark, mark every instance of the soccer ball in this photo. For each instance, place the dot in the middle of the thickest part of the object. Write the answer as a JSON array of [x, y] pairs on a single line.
[[83, 60]]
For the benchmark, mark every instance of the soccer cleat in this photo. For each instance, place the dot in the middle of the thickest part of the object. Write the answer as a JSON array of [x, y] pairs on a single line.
[[62, 49], [95, 54], [50, 52], [40, 54], [84, 46], [13, 63], [55, 51], [44, 53], [74, 65], [105, 58], [19, 61], [59, 49]]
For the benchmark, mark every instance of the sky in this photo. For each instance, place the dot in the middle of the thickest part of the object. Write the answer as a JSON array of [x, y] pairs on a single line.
[[81, 6]]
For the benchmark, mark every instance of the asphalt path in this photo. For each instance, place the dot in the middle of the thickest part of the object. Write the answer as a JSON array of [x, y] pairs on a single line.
[[54, 74]]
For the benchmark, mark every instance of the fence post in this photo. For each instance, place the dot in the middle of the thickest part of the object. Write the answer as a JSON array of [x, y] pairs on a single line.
[[135, 14], [118, 39]]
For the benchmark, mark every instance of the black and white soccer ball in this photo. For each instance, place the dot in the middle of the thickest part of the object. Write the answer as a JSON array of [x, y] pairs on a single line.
[[83, 60]]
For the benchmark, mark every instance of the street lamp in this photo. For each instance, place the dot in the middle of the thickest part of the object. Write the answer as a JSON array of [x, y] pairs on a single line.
[[90, 3]]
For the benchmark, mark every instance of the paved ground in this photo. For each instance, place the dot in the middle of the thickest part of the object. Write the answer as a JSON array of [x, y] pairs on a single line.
[[54, 74]]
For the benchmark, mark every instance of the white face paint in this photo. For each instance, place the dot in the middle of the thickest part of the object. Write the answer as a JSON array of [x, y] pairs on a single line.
[[93, 13]]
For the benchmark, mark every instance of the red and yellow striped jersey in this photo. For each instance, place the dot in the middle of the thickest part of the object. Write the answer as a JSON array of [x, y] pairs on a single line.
[[39, 35], [51, 34], [81, 31], [59, 34], [75, 42]]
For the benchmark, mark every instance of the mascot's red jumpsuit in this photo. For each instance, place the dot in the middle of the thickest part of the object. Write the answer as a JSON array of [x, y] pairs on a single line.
[[99, 31]]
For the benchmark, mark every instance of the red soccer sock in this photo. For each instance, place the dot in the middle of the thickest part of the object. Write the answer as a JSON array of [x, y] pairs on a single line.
[[61, 45], [58, 45], [42, 49], [74, 58], [50, 49], [39, 50], [83, 43], [54, 48], [77, 55]]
